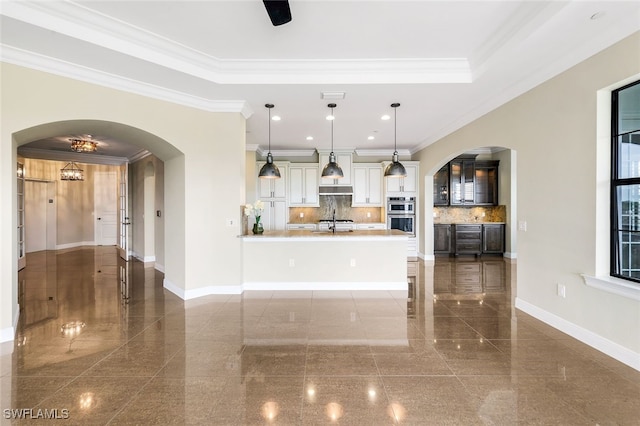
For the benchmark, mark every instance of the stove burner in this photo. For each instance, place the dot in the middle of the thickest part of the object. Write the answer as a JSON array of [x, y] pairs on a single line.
[[337, 221]]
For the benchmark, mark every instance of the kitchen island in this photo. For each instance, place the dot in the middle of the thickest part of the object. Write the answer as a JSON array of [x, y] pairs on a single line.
[[312, 260]]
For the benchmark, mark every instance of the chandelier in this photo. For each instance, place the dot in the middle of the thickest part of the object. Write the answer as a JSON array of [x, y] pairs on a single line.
[[71, 172], [82, 145]]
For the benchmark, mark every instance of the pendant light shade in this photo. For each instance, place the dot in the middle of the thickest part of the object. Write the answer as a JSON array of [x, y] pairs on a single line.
[[332, 170], [395, 168], [269, 170]]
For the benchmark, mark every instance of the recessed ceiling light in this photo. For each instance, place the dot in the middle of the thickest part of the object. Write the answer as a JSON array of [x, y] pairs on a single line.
[[371, 138], [309, 138], [385, 117], [276, 118]]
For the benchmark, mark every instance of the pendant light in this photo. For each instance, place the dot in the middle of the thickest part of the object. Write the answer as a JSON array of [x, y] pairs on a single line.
[[395, 168], [71, 172], [332, 170], [269, 170]]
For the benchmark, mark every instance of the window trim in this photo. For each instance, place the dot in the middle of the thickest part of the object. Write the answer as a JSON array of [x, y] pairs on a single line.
[[616, 183]]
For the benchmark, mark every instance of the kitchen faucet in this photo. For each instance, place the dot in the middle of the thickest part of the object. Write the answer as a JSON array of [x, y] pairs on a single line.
[[333, 228]]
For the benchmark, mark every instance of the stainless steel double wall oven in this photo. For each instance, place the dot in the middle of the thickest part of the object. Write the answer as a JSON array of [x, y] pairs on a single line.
[[401, 214]]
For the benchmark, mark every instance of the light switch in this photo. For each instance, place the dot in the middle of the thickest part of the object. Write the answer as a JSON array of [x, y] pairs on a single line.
[[522, 225]]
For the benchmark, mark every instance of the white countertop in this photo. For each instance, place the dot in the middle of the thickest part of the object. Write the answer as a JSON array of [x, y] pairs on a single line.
[[374, 234]]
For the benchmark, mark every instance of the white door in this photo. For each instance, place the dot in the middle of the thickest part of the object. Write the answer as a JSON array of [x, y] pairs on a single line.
[[123, 213], [105, 203]]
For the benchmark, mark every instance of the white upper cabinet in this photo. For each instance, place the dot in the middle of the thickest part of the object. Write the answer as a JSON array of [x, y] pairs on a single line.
[[404, 185], [272, 188], [344, 160], [303, 185], [367, 185]]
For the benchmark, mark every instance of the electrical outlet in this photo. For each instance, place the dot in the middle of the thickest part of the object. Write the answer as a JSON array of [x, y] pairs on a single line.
[[522, 225], [561, 290], [368, 214], [301, 214], [353, 262], [292, 263]]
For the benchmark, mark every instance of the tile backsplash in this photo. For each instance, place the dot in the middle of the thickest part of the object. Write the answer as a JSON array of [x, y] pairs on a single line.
[[342, 206], [470, 214]]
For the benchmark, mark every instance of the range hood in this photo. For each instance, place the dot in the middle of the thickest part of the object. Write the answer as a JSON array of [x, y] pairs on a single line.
[[335, 190]]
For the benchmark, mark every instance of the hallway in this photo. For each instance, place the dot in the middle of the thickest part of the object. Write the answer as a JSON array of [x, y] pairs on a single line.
[[105, 341]]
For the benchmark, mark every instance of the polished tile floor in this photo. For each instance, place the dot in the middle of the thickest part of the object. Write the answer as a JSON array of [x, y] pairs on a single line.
[[101, 342]]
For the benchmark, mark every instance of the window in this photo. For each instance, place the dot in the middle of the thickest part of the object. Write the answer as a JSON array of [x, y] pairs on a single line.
[[625, 183]]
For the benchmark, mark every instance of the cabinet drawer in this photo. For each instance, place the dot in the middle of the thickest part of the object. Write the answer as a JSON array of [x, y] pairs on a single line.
[[472, 267], [468, 246], [468, 228], [301, 226], [468, 288], [468, 236], [467, 278]]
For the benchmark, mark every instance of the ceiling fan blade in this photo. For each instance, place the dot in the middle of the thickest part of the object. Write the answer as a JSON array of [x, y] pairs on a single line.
[[278, 11]]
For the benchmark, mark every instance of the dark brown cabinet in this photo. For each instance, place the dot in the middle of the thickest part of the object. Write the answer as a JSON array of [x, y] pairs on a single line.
[[493, 238], [486, 183], [466, 182], [462, 182], [441, 187], [468, 239], [442, 238]]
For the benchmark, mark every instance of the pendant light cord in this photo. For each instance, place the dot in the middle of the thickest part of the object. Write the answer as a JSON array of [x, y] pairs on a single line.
[[395, 129], [334, 119], [269, 129]]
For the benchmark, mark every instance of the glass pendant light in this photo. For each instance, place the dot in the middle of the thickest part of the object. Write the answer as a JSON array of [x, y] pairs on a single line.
[[269, 170], [332, 170], [395, 168]]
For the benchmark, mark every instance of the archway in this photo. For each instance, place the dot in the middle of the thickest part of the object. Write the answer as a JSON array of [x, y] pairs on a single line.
[[129, 134], [507, 196]]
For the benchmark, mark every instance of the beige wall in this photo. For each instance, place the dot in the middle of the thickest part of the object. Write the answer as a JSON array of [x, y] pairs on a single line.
[[138, 198], [200, 250], [552, 130]]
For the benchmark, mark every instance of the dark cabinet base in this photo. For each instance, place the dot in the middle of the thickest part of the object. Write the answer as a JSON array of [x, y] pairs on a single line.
[[469, 239]]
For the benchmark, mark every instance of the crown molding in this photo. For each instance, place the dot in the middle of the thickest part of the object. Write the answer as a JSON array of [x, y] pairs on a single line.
[[46, 154], [82, 23], [252, 147], [139, 156], [283, 152], [381, 152], [47, 64]]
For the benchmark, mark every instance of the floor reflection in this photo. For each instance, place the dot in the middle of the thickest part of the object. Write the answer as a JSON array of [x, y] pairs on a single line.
[[101, 338]]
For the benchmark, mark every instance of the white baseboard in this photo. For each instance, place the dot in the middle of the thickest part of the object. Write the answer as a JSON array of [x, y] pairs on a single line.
[[159, 267], [200, 292], [284, 286], [510, 255], [614, 350], [9, 333], [318, 286], [76, 244]]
